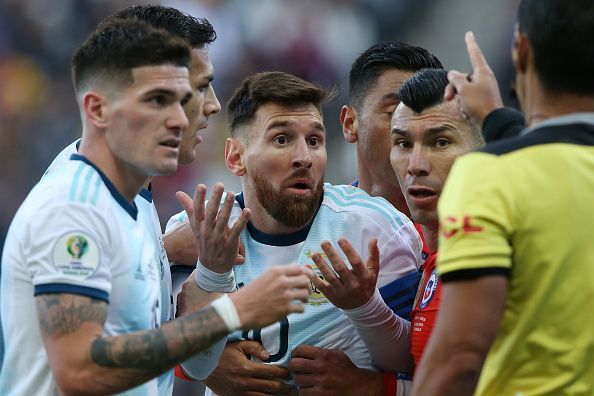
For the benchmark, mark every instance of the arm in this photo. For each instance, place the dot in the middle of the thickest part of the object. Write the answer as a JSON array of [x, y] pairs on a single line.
[[86, 362], [181, 246], [469, 318], [236, 374], [355, 293]]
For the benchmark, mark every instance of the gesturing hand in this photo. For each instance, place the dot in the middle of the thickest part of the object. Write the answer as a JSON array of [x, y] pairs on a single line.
[[477, 92], [218, 243], [236, 374], [347, 288]]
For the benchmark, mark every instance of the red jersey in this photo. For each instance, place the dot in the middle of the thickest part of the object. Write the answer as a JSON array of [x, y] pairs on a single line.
[[425, 309]]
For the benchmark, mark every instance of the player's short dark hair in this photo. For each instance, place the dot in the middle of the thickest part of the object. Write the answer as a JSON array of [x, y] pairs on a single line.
[[425, 89], [111, 52], [198, 32], [271, 87], [561, 33], [383, 56]]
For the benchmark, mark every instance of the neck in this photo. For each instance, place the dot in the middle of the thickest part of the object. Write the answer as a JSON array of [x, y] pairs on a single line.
[[125, 180], [541, 104], [430, 234], [263, 221], [378, 186]]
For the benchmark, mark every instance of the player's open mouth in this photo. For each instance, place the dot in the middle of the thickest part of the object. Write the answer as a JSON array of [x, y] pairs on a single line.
[[173, 143], [421, 192], [299, 186], [422, 196]]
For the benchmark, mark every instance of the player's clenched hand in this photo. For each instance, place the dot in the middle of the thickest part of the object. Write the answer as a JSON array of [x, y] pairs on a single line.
[[192, 298], [478, 92], [236, 374], [346, 288], [330, 372], [279, 291], [218, 243]]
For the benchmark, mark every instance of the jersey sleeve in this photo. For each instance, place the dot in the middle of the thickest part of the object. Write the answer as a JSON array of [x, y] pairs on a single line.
[[176, 221], [477, 217], [68, 252], [400, 260]]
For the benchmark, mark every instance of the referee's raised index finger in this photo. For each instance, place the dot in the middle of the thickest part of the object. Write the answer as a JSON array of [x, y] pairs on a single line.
[[475, 54]]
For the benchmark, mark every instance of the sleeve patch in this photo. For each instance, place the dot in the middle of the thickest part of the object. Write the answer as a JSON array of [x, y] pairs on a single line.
[[76, 255]]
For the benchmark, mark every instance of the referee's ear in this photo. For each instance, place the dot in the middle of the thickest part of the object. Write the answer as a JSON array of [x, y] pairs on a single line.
[[234, 157]]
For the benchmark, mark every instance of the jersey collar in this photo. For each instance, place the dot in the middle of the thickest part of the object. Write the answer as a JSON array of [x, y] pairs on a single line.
[[129, 207], [272, 239]]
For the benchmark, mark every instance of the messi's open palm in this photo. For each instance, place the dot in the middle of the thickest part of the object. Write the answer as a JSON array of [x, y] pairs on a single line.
[[347, 288]]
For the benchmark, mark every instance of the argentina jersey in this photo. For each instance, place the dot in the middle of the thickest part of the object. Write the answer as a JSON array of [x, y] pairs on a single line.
[[345, 212], [149, 220], [74, 234]]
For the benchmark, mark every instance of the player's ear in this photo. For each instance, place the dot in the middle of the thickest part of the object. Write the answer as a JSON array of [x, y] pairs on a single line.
[[93, 104], [521, 51], [349, 122], [234, 156]]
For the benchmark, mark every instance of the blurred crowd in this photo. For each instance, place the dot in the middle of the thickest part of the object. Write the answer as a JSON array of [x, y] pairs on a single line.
[[314, 39]]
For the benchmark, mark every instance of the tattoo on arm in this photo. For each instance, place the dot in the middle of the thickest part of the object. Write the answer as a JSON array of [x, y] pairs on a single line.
[[64, 313], [157, 350]]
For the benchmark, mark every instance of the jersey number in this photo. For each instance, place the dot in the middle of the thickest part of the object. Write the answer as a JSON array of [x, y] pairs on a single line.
[[283, 338]]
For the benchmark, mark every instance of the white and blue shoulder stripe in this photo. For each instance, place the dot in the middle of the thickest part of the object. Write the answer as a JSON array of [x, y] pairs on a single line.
[[348, 198]]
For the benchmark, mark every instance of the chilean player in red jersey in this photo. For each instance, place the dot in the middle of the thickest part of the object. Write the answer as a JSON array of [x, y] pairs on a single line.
[[428, 134]]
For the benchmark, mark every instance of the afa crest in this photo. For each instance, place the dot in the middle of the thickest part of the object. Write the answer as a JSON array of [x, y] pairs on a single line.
[[77, 246]]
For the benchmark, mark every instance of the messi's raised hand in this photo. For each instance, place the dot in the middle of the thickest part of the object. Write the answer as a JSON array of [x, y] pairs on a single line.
[[347, 288], [218, 243]]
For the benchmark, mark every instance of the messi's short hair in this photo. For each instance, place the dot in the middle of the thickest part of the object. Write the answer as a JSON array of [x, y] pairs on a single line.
[[271, 87]]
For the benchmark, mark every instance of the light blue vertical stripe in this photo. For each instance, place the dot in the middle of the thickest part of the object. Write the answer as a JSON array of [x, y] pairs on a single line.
[[74, 187], [85, 188], [330, 194], [97, 189]]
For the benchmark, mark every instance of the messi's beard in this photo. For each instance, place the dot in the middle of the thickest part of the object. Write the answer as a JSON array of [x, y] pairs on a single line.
[[288, 209]]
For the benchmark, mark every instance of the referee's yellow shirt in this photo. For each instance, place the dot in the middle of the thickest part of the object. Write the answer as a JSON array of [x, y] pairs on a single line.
[[524, 208]]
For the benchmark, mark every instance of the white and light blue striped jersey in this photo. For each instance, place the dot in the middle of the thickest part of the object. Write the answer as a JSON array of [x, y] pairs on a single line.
[[346, 212], [150, 221], [75, 234]]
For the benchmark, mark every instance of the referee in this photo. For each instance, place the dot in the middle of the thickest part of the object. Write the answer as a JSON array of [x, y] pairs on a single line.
[[516, 249]]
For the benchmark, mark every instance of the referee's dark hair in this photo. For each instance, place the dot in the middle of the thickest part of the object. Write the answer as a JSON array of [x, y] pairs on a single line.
[[271, 87], [198, 32], [425, 89], [561, 33], [383, 56]]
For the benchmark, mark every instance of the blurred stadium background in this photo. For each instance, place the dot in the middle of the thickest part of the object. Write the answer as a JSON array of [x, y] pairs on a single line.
[[315, 39]]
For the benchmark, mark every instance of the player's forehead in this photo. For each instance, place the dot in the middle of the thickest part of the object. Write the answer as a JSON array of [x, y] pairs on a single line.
[[276, 115], [166, 77], [200, 64], [443, 116]]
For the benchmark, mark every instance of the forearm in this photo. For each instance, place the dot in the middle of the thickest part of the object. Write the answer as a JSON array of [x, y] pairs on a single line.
[[122, 362], [200, 366], [386, 335]]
